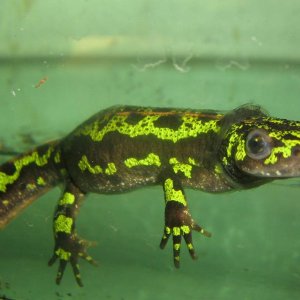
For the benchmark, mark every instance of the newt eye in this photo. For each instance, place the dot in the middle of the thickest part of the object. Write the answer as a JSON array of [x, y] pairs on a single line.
[[258, 144]]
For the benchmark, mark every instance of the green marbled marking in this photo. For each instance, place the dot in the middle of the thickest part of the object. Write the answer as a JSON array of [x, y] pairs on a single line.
[[84, 164], [5, 202], [63, 224], [41, 181], [30, 186], [151, 160], [191, 127], [285, 151], [186, 169], [171, 194], [62, 254], [34, 157], [111, 169], [176, 246], [57, 157], [67, 199]]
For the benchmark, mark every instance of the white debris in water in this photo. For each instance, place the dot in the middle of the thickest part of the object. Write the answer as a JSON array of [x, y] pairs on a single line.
[[150, 65], [183, 66]]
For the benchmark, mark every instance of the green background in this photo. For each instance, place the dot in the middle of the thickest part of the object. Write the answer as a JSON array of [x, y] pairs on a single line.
[[192, 53]]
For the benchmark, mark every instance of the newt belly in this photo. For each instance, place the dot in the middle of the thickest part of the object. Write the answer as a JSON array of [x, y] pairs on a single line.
[[123, 148]]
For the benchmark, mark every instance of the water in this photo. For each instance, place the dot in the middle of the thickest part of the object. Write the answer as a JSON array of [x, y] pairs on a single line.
[[197, 55]]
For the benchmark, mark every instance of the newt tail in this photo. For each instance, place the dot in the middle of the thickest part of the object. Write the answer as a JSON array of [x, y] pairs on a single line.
[[26, 177]]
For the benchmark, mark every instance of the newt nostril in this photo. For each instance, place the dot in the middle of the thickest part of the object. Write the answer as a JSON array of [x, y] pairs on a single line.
[[296, 151]]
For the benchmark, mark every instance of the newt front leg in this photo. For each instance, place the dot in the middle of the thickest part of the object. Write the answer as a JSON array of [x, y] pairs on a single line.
[[178, 220]]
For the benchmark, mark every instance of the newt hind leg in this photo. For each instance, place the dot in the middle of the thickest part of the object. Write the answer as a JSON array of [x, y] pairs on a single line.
[[68, 246], [178, 220]]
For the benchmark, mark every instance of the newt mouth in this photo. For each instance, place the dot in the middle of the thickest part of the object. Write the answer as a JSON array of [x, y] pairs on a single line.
[[283, 168]]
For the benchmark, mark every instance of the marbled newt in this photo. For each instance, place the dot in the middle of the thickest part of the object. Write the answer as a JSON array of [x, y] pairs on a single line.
[[125, 147]]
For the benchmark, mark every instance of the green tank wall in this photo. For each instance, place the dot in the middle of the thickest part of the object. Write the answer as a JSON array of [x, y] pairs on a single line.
[[62, 61]]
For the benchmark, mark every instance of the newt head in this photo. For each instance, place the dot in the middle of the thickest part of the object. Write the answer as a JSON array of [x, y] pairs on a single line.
[[263, 147]]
